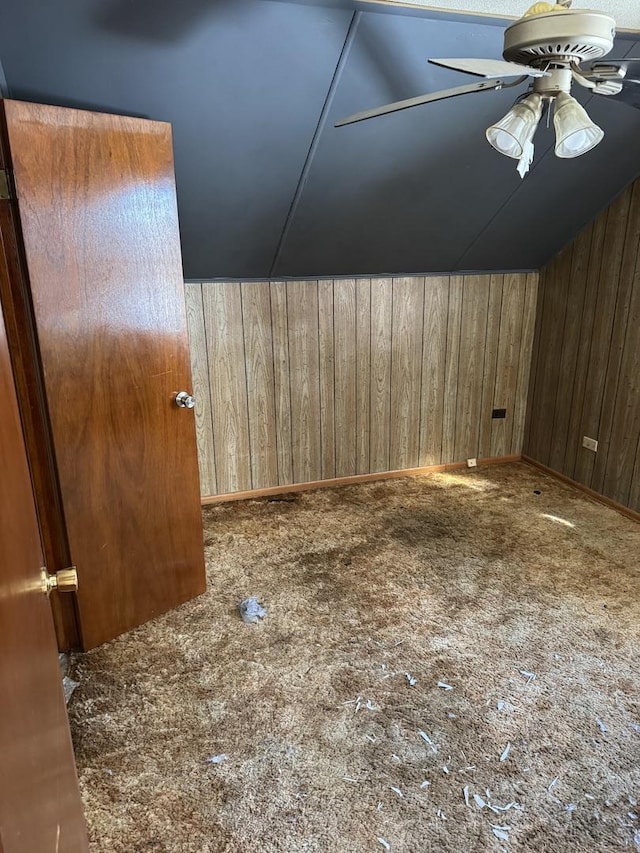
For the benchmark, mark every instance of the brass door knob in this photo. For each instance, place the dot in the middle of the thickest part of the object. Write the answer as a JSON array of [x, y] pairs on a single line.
[[66, 580], [185, 401]]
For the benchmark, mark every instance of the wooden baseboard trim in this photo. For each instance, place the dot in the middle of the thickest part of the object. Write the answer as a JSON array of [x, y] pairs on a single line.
[[596, 496], [353, 480]]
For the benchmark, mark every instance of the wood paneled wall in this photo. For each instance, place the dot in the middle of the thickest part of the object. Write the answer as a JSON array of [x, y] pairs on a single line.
[[586, 364], [300, 381]]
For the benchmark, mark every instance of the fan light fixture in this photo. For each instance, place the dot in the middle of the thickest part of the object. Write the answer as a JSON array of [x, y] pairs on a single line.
[[553, 47], [575, 132], [512, 134]]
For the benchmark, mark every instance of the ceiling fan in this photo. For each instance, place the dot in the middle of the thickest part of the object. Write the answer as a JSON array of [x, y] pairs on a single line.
[[550, 44]]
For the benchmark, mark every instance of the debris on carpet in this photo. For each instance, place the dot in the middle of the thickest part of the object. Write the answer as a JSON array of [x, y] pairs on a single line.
[[252, 611], [328, 743]]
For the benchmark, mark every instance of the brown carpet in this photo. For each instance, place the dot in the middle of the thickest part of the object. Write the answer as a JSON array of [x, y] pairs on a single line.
[[527, 605]]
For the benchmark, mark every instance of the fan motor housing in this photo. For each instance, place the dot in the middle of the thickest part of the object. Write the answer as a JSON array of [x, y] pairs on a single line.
[[572, 35]]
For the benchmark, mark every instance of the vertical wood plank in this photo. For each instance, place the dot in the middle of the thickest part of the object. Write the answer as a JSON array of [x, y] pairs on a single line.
[[548, 367], [625, 417], [492, 339], [381, 313], [327, 378], [451, 368], [201, 388], [597, 392], [507, 366], [535, 377], [223, 324], [344, 327], [524, 364], [570, 343], [258, 344], [406, 368], [610, 263], [634, 494], [350, 376], [623, 326], [280, 338], [363, 375], [436, 306], [580, 378], [302, 304], [473, 330]]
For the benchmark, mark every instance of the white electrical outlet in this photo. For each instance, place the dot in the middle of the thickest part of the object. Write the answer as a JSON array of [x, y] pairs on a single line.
[[472, 463], [590, 443]]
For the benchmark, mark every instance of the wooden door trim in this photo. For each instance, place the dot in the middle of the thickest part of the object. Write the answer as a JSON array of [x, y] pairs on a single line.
[[40, 804], [25, 358], [210, 500], [352, 480], [596, 496]]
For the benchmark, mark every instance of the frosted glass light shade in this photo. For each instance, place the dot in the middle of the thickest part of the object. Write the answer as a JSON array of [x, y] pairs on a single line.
[[510, 135], [575, 132]]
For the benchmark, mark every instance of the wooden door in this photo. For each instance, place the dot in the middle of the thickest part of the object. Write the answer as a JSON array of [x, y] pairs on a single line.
[[98, 219], [40, 805]]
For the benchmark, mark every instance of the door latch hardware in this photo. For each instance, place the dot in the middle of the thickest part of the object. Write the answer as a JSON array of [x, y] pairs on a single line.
[[66, 580], [185, 400], [5, 187]]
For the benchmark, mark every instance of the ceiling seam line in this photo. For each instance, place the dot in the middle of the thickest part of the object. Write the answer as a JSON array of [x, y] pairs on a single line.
[[484, 230], [322, 120]]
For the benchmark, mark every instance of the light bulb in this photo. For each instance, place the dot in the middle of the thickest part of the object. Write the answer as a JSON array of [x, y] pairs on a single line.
[[511, 134], [575, 132]]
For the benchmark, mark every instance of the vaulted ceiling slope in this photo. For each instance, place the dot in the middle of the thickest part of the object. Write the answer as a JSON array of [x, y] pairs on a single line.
[[266, 185]]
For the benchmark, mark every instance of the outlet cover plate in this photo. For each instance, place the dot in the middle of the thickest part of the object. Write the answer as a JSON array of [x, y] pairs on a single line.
[[472, 463], [590, 443]]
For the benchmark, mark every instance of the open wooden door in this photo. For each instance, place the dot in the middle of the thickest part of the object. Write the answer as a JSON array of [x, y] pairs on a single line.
[[102, 270], [40, 806]]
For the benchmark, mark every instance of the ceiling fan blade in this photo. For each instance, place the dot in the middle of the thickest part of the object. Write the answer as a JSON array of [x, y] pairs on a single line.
[[490, 67], [603, 69], [486, 85], [630, 94], [621, 61]]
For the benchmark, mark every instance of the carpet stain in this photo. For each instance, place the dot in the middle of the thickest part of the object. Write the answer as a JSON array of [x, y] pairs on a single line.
[[471, 579]]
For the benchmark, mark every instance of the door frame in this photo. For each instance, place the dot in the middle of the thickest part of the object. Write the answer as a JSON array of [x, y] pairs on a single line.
[[25, 357], [40, 805]]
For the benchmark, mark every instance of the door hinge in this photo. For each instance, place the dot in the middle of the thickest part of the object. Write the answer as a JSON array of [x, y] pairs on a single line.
[[66, 580], [5, 185]]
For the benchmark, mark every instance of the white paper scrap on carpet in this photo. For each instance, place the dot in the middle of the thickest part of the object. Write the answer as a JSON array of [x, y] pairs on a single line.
[[252, 611]]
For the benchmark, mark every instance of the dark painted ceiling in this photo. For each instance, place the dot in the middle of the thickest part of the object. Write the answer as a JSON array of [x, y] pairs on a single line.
[[266, 185]]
